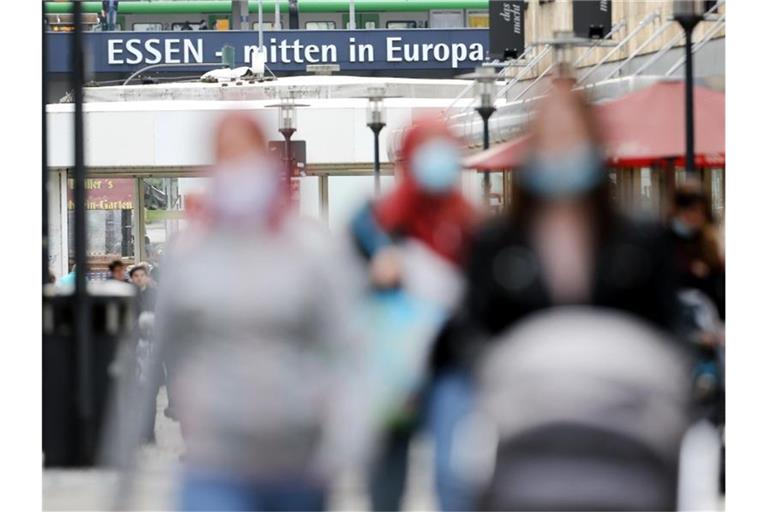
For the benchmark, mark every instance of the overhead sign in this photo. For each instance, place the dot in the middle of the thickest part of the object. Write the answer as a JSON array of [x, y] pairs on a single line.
[[507, 28], [288, 50], [592, 18]]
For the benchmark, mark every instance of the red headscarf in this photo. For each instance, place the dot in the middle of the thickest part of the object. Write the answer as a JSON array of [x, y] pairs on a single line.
[[441, 221]]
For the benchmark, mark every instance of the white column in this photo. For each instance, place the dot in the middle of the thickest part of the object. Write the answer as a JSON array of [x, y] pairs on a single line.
[[352, 15], [58, 246], [278, 25]]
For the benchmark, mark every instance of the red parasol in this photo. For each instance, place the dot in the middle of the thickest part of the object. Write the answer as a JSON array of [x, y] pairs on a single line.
[[643, 128]]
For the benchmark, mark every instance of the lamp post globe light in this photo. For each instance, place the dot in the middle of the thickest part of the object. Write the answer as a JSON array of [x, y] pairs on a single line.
[[688, 13], [485, 89], [376, 121]]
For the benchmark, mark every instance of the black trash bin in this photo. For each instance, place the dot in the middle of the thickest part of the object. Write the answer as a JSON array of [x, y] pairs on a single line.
[[68, 440]]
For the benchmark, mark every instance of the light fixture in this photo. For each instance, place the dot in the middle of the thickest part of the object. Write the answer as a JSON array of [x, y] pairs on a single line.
[[376, 121]]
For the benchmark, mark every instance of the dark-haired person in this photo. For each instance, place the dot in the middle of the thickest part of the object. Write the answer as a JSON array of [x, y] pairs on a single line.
[[139, 275], [697, 250], [563, 244], [117, 271]]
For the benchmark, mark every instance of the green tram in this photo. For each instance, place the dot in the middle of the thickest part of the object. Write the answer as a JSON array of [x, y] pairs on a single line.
[[169, 15]]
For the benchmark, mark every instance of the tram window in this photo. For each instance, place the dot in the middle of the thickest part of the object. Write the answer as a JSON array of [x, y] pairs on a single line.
[[186, 26], [147, 27], [477, 19], [446, 18], [320, 25], [266, 25], [398, 25]]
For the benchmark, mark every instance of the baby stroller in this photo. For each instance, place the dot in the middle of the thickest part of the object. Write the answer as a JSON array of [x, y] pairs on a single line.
[[585, 409]]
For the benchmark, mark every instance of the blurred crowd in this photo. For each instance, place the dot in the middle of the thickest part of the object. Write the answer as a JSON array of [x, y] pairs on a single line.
[[557, 355]]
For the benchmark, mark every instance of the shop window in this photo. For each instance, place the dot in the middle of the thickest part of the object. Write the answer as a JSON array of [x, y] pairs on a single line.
[[167, 206], [320, 25], [110, 204]]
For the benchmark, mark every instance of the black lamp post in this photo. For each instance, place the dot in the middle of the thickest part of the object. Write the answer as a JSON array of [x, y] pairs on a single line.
[[485, 86], [376, 122], [287, 126], [688, 13]]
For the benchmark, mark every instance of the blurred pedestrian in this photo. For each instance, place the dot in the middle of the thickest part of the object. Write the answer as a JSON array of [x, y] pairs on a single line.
[[415, 240], [697, 248], [117, 271], [563, 244], [260, 362], [109, 14], [147, 295]]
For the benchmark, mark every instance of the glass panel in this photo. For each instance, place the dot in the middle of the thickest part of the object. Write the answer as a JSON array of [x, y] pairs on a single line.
[[348, 193], [718, 194], [646, 191], [109, 220], [320, 25], [147, 27], [446, 19], [399, 25], [497, 192], [164, 204], [186, 25], [477, 19]]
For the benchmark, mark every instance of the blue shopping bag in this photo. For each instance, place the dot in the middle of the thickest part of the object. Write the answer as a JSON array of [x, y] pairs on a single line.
[[402, 329]]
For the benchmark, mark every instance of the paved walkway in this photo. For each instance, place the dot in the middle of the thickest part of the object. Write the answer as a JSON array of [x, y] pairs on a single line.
[[155, 484]]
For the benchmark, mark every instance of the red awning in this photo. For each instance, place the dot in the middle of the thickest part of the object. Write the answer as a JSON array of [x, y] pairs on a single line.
[[643, 128]]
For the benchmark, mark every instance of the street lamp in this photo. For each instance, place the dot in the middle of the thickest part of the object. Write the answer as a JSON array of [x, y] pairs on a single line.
[[376, 121], [286, 112], [688, 13], [485, 88]]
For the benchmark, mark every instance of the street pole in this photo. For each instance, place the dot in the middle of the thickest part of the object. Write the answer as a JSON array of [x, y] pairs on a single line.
[[485, 113], [689, 127], [287, 134], [45, 150], [81, 303], [688, 14], [376, 129]]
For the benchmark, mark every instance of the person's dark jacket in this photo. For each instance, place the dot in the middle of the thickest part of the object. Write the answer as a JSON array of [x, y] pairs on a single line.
[[634, 272], [146, 299], [688, 250]]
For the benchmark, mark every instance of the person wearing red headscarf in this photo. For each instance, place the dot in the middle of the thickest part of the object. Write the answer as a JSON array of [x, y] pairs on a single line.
[[415, 241]]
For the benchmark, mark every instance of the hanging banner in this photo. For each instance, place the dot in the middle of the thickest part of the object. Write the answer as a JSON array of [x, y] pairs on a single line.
[[592, 18], [507, 29], [287, 50]]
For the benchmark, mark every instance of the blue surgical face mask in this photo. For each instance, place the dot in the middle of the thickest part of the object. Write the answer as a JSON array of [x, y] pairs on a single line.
[[683, 229], [563, 175], [436, 166]]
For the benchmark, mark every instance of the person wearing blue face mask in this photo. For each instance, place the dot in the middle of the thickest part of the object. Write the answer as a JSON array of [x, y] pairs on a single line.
[[413, 243], [563, 243], [697, 249]]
